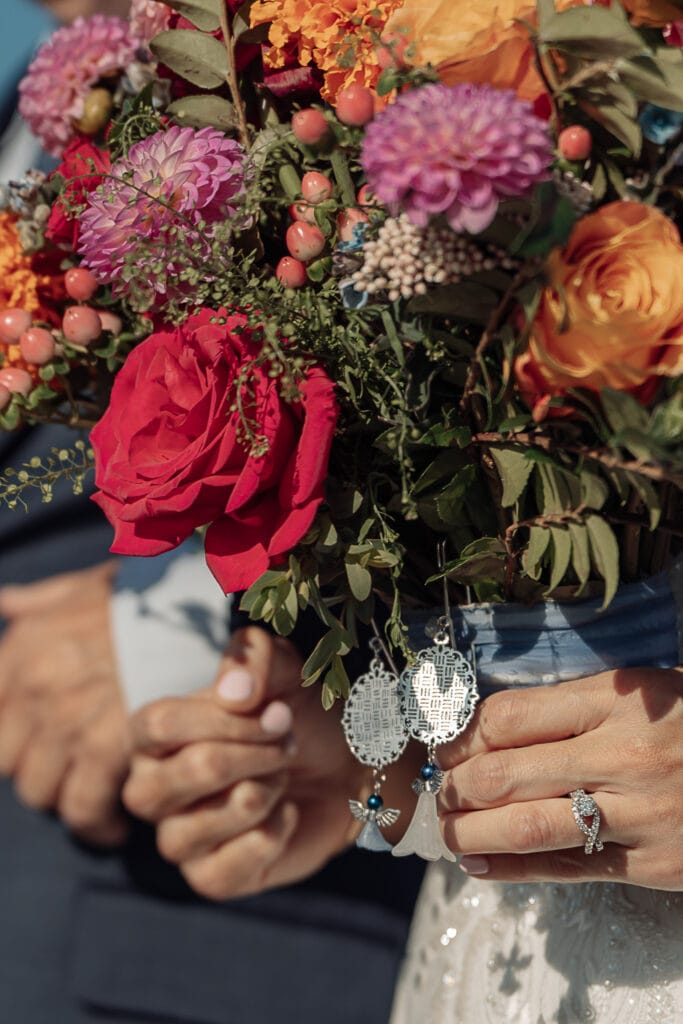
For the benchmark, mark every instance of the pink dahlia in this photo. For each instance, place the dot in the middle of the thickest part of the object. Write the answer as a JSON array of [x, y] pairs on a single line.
[[66, 67], [169, 183], [148, 18], [455, 150]]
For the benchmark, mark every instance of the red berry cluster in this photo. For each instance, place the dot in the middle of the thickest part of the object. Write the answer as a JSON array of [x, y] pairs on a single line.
[[305, 240], [28, 346]]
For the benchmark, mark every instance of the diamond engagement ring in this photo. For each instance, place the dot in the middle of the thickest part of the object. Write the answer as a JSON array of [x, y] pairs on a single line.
[[584, 807]]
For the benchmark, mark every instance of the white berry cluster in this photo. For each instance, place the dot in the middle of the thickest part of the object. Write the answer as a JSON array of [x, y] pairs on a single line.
[[403, 260]]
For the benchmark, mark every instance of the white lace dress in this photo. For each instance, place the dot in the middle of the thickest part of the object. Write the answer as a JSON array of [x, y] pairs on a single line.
[[541, 954], [487, 953]]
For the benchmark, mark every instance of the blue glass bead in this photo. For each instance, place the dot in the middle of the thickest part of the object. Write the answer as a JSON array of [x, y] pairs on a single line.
[[427, 770], [660, 125], [375, 802]]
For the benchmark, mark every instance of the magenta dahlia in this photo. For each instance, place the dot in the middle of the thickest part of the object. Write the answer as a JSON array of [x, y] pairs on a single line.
[[179, 181], [52, 93], [455, 150], [148, 18]]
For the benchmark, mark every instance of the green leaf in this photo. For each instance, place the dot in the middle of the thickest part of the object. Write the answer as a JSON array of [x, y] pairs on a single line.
[[622, 410], [604, 554], [666, 424], [360, 580], [551, 225], [614, 119], [197, 58], [599, 183], [581, 562], [658, 81], [560, 555], [328, 645], [593, 32], [514, 470], [529, 297], [241, 27], [345, 502], [320, 269], [513, 424], [648, 495], [555, 499], [539, 538], [640, 444], [205, 14], [328, 533], [335, 684], [286, 611], [42, 393], [545, 12], [483, 559], [445, 464], [203, 112], [450, 502], [441, 436], [594, 490]]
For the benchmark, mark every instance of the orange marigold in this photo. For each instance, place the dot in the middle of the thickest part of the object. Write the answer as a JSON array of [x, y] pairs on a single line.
[[338, 36], [27, 282]]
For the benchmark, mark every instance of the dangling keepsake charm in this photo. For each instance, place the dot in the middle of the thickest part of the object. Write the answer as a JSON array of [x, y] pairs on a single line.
[[438, 695], [376, 733]]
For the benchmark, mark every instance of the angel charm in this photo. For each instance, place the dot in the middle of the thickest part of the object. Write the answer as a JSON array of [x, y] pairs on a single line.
[[438, 696], [375, 818], [429, 781], [377, 736]]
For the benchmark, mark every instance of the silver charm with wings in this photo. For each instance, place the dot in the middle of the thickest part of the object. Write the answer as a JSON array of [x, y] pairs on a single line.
[[376, 733]]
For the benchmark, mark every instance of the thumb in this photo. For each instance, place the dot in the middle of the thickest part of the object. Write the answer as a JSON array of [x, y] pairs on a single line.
[[32, 598], [257, 668]]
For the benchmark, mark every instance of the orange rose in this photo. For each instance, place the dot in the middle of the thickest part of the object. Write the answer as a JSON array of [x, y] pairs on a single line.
[[474, 40], [611, 314]]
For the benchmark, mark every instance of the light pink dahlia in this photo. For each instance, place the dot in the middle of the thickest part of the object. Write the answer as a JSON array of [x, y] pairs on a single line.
[[148, 18], [66, 67], [455, 150], [170, 182]]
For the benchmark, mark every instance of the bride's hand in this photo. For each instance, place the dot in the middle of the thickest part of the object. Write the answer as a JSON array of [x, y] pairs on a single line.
[[247, 782], [617, 735]]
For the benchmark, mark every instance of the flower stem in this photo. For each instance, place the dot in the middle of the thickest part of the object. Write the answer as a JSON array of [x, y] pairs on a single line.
[[231, 79], [343, 177]]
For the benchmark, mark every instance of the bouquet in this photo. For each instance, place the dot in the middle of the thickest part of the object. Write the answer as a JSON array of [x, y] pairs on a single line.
[[381, 296]]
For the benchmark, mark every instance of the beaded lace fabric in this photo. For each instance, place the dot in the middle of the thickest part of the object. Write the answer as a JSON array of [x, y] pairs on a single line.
[[487, 953], [541, 954]]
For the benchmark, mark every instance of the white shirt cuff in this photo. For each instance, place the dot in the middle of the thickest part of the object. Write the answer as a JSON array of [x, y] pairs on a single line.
[[170, 624]]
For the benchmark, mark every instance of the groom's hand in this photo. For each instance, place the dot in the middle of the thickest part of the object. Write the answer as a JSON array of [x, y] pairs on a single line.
[[248, 782], [63, 725]]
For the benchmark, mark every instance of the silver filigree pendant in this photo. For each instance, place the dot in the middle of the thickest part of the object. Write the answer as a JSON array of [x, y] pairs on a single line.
[[438, 696], [377, 736]]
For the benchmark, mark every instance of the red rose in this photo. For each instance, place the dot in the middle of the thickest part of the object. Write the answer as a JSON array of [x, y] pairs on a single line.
[[79, 160], [170, 454]]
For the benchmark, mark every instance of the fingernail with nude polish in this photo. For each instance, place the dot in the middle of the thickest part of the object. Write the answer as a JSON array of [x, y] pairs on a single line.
[[277, 718], [236, 685], [475, 865]]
